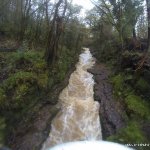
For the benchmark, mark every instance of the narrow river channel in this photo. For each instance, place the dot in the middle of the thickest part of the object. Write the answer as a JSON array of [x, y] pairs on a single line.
[[79, 117]]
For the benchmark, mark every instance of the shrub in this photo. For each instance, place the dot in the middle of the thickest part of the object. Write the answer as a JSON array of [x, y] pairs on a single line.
[[130, 134], [143, 86], [2, 130], [42, 80], [137, 106], [2, 96], [19, 78], [28, 61], [20, 87], [118, 84]]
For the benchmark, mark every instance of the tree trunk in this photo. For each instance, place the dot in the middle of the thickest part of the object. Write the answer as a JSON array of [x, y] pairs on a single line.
[[25, 9], [134, 33], [148, 15], [54, 34]]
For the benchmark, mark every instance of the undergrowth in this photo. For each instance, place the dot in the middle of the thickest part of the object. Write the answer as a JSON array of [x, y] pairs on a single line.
[[25, 82], [131, 92]]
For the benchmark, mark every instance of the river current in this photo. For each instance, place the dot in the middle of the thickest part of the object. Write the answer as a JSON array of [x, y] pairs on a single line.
[[78, 118]]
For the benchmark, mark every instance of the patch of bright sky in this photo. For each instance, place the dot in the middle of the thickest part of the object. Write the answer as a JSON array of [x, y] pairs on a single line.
[[86, 4]]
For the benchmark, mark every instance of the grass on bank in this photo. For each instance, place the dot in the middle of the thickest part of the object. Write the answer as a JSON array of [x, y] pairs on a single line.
[[26, 81]]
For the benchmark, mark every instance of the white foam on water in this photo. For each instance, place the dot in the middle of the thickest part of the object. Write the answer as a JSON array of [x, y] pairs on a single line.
[[90, 145], [78, 118]]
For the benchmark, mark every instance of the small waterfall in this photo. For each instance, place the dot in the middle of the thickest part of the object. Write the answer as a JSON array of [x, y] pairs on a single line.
[[78, 118]]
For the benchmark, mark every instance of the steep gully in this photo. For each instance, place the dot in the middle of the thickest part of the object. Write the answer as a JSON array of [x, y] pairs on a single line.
[[33, 135], [79, 116]]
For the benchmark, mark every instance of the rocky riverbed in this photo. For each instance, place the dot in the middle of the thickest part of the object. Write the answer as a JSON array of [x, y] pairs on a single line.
[[111, 111]]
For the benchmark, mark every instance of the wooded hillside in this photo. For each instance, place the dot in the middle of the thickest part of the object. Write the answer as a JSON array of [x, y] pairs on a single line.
[[40, 42]]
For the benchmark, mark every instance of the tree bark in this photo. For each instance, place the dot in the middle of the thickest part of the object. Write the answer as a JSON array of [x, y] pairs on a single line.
[[148, 15], [54, 34], [25, 9]]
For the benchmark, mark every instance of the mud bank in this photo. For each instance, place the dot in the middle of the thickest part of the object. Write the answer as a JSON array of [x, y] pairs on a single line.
[[111, 112]]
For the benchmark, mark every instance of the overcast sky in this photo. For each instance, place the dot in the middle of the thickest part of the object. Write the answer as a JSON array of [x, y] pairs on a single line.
[[86, 4]]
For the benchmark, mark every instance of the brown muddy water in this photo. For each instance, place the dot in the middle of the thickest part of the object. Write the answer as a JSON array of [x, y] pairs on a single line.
[[79, 117]]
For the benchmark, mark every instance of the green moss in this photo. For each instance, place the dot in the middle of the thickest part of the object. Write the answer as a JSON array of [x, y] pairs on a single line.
[[142, 86], [19, 78], [42, 80], [137, 106], [118, 83], [27, 61], [27, 78], [27, 55], [28, 82], [21, 86], [130, 134], [39, 66], [21, 91]]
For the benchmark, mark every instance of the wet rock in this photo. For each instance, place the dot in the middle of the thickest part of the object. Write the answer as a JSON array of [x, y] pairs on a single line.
[[111, 112]]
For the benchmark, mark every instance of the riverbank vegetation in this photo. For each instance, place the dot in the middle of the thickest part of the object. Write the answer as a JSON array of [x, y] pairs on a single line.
[[121, 35], [39, 43]]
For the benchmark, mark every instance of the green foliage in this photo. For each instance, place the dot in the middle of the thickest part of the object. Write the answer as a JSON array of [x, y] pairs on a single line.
[[118, 83], [27, 55], [130, 134], [137, 106], [39, 66], [142, 86], [21, 91], [19, 85], [2, 96], [67, 58], [19, 78], [16, 90], [28, 60], [2, 130], [28, 75], [64, 63], [42, 80], [131, 54]]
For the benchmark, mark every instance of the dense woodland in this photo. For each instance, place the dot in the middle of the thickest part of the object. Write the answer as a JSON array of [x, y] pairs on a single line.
[[40, 41], [121, 37]]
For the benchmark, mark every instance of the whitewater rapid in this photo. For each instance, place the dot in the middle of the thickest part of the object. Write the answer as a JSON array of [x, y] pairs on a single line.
[[79, 117]]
